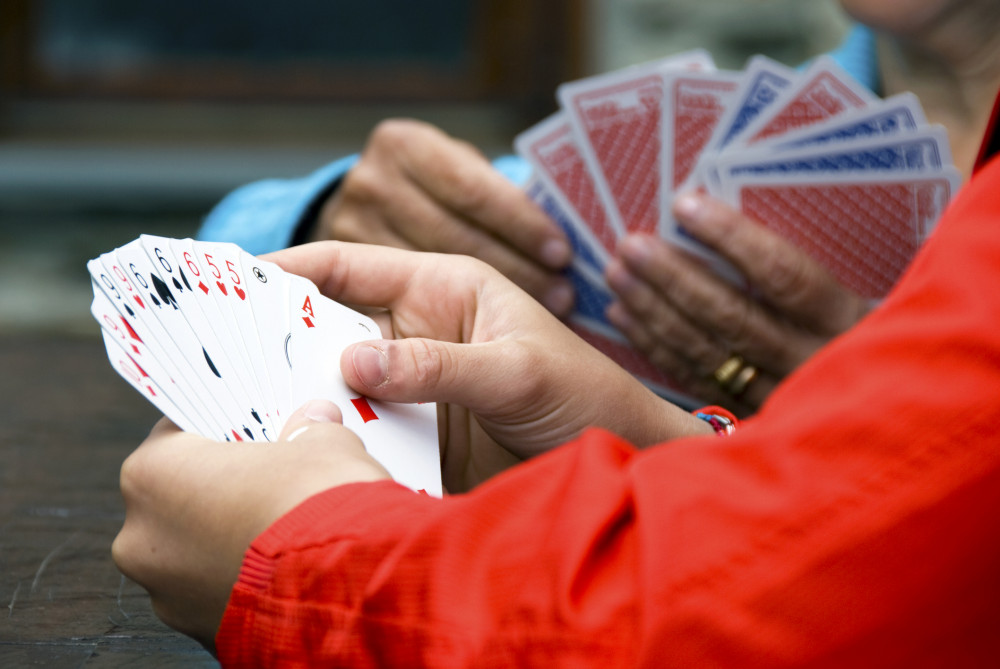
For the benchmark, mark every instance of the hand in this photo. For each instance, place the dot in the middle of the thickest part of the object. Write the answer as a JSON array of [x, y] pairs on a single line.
[[417, 188], [688, 321], [192, 507], [512, 381]]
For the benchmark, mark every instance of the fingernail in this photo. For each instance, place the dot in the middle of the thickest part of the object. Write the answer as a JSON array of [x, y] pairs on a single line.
[[556, 253], [616, 315], [688, 207], [618, 276], [635, 249], [559, 298], [321, 411], [371, 365]]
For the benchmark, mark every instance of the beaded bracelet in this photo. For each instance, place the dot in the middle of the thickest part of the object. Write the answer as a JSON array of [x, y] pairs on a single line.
[[723, 422]]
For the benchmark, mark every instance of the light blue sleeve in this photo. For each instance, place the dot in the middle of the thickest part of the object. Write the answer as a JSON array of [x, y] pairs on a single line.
[[859, 58], [263, 216]]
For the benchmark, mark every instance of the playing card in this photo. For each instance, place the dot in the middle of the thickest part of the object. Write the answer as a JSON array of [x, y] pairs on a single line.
[[551, 148], [221, 384], [813, 154], [617, 121], [124, 363], [822, 92], [267, 293], [227, 345], [234, 319], [110, 279], [402, 437], [695, 102], [865, 228], [133, 359], [760, 87], [585, 258], [920, 150], [220, 290], [900, 113]]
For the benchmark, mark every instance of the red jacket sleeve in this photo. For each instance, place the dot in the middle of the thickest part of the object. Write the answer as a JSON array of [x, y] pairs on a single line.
[[852, 522]]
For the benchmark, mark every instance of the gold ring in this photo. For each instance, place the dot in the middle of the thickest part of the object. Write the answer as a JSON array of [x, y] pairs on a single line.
[[742, 380], [728, 370]]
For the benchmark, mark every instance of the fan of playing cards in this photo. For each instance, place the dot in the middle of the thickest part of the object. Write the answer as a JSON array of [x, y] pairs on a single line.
[[228, 346], [855, 181]]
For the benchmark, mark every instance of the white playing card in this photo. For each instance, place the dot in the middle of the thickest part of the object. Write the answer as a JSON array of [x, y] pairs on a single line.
[[124, 363], [130, 305], [198, 344], [142, 363], [402, 437], [267, 293], [233, 317], [162, 325], [219, 287]]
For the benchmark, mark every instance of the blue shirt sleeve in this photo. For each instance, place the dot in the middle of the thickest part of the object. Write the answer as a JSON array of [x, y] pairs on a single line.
[[263, 216], [857, 55]]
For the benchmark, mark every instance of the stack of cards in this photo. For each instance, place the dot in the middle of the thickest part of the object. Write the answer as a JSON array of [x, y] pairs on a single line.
[[855, 181], [228, 346]]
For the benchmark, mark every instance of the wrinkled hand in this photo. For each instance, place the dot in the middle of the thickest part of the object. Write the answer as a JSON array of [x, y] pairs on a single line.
[[416, 188], [193, 506], [688, 321], [511, 380]]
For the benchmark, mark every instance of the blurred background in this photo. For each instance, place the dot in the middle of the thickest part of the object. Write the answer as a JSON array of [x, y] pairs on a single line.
[[120, 117]]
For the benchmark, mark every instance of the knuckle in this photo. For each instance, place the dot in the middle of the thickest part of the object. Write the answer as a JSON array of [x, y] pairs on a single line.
[[428, 363], [726, 222], [732, 318], [786, 277], [121, 552], [393, 132], [523, 362], [666, 325], [363, 184], [132, 476], [469, 194]]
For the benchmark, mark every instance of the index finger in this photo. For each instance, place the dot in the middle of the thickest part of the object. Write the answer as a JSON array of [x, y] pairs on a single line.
[[460, 179], [380, 276]]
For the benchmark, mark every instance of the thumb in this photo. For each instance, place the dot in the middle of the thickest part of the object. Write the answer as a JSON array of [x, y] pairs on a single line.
[[419, 370], [312, 413]]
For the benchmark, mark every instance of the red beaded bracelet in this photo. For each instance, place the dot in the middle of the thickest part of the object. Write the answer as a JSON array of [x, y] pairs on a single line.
[[722, 421]]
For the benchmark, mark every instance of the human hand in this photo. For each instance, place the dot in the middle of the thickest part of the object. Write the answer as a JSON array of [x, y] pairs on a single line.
[[193, 505], [511, 380], [689, 322], [416, 188]]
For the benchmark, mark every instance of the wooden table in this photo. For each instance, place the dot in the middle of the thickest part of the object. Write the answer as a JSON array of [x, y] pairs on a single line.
[[67, 423]]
